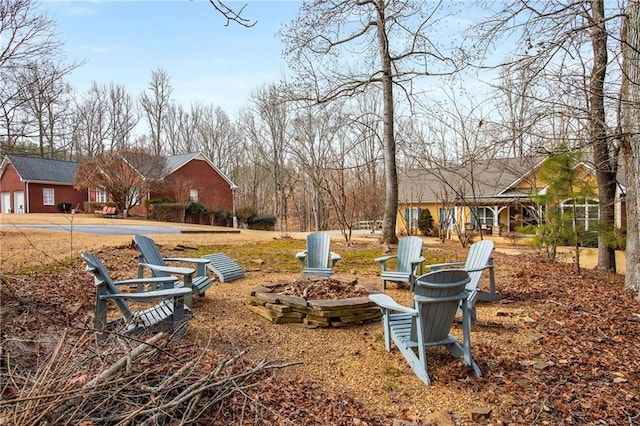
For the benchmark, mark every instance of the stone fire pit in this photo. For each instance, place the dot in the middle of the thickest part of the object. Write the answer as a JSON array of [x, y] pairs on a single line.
[[316, 302]]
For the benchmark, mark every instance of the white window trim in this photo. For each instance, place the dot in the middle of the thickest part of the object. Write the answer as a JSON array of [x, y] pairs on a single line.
[[102, 196], [45, 196]]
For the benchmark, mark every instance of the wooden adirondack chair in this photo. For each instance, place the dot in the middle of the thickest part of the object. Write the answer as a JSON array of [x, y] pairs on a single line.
[[166, 315], [409, 257], [478, 260], [150, 257], [428, 323], [315, 259]]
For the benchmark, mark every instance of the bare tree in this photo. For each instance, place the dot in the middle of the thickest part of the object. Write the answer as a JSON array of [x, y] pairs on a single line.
[[313, 130], [219, 138], [27, 37], [267, 131], [122, 116], [232, 15], [90, 123], [155, 102], [126, 175], [25, 34], [393, 47], [565, 36], [45, 97], [631, 141]]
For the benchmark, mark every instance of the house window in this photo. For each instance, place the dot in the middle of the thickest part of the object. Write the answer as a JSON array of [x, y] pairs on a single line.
[[102, 196], [193, 195], [482, 216], [411, 217], [48, 197], [446, 217], [587, 212], [136, 197]]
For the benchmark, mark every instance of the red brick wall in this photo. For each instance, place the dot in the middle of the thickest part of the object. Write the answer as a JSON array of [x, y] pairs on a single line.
[[10, 181], [213, 191], [62, 193]]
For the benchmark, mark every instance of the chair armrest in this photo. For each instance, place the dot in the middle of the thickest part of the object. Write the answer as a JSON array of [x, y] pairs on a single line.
[[418, 261], [169, 269], [480, 268], [386, 302], [443, 265], [301, 256], [334, 258], [384, 259], [152, 280], [148, 296], [197, 260]]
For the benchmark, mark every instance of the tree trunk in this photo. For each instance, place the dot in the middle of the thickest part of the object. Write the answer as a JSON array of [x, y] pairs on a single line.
[[631, 142], [388, 139], [605, 169]]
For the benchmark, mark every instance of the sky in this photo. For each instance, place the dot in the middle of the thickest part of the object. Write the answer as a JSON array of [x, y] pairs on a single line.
[[123, 41]]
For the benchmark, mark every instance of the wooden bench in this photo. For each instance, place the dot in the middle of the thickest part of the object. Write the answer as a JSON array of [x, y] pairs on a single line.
[[224, 267], [106, 211]]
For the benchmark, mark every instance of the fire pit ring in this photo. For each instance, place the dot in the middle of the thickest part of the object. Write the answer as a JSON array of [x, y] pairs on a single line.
[[283, 302]]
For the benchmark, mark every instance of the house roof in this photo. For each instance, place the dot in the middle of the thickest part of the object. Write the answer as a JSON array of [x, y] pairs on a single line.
[[175, 162], [478, 179], [45, 170]]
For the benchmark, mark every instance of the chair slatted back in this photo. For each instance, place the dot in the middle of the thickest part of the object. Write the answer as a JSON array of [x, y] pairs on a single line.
[[150, 253], [105, 284], [318, 247], [479, 256], [438, 295], [409, 248]]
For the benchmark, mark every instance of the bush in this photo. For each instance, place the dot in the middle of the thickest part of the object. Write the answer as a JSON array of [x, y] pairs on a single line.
[[159, 200], [166, 212], [425, 222], [196, 208], [263, 223]]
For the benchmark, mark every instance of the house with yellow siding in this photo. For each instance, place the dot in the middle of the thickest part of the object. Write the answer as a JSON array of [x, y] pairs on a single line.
[[489, 195]]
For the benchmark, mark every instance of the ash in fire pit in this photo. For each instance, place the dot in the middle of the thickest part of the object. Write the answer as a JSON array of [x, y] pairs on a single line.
[[316, 302]]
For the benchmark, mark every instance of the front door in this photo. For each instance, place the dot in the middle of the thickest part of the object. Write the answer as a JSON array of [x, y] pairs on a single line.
[[18, 202], [5, 202]]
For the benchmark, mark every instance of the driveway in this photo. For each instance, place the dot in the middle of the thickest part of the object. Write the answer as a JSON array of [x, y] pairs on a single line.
[[101, 229]]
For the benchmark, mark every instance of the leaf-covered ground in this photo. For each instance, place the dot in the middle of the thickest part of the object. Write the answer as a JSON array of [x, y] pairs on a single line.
[[560, 348]]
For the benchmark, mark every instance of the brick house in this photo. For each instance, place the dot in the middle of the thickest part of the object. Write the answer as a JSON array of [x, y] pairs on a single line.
[[188, 177], [37, 185]]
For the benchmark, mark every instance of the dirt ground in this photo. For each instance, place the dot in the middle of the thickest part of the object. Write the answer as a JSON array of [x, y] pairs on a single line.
[[530, 345]]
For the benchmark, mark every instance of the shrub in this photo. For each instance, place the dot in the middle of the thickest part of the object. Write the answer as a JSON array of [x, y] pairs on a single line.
[[159, 200], [425, 222], [264, 223]]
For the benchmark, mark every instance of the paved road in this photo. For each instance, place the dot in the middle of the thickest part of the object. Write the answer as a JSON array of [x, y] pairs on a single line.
[[102, 229]]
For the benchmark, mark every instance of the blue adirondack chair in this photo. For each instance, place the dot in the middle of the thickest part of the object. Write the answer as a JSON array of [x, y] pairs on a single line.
[[150, 257], [409, 258], [166, 315], [478, 260], [428, 323], [318, 259]]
